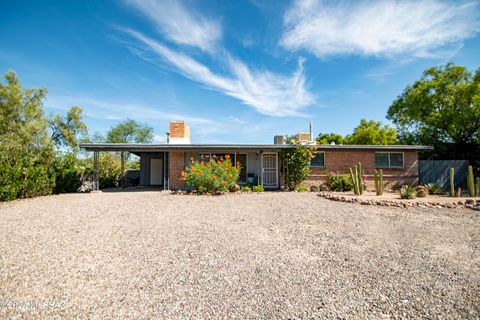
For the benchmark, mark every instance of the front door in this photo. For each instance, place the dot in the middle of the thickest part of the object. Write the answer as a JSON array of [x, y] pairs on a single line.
[[270, 170], [156, 172]]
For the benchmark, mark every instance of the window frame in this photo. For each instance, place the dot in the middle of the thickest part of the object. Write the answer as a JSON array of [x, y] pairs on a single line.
[[389, 166], [324, 160]]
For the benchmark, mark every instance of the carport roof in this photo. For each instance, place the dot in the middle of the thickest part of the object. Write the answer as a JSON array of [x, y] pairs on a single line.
[[137, 148]]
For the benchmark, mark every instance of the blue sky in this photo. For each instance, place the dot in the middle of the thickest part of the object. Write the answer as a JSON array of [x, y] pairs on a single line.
[[236, 71]]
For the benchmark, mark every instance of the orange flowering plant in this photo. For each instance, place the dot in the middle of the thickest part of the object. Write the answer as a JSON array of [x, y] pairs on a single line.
[[212, 176]]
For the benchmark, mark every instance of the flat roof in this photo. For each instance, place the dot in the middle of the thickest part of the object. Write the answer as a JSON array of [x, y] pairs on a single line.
[[147, 147]]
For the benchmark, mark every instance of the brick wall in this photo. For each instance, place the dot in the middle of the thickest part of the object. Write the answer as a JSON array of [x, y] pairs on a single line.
[[176, 165], [341, 160], [179, 132]]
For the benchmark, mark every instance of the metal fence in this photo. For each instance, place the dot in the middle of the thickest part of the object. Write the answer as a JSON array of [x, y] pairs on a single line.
[[438, 171]]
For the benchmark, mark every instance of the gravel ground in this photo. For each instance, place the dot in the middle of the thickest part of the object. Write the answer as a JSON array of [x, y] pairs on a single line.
[[274, 255]]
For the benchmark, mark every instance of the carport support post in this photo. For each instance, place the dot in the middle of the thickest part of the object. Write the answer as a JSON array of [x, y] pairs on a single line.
[[96, 184], [122, 156]]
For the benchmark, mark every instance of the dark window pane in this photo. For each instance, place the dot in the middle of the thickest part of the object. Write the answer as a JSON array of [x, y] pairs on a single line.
[[205, 157], [318, 161], [396, 159], [381, 159]]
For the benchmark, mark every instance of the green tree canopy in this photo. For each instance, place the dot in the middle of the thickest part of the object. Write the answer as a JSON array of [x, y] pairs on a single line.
[[372, 133], [442, 107], [26, 151], [328, 138], [130, 131], [66, 130], [297, 162]]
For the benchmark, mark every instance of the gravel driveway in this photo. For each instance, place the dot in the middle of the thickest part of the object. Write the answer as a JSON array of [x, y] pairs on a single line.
[[273, 255]]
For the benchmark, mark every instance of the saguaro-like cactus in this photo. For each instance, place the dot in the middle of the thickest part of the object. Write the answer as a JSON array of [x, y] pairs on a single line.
[[378, 181], [452, 182], [471, 182], [357, 180], [477, 187]]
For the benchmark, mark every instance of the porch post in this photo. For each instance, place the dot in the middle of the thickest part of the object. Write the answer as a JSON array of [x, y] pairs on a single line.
[[122, 157], [96, 183]]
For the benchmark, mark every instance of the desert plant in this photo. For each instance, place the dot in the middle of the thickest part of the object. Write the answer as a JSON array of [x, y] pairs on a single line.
[[452, 182], [297, 164], [422, 191], [339, 182], [213, 176], [357, 179], [234, 188], [258, 188], [433, 188], [471, 182], [246, 189], [477, 187], [379, 186], [302, 189], [407, 192], [324, 187], [314, 188]]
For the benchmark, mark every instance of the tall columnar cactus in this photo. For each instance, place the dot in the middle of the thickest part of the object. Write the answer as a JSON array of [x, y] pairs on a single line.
[[357, 179], [378, 181], [360, 177], [452, 182], [471, 182], [477, 187], [353, 176]]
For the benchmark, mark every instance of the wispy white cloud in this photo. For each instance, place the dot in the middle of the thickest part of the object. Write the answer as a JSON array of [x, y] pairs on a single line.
[[379, 28], [269, 93], [179, 25], [118, 110]]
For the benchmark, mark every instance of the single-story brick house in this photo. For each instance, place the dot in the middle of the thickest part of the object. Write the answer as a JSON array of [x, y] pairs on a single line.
[[162, 164]]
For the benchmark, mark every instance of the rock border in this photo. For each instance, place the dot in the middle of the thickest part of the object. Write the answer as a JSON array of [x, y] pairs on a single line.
[[467, 203]]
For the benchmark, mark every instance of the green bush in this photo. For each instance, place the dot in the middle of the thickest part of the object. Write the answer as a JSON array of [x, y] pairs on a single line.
[[314, 188], [302, 189], [258, 188], [246, 189], [297, 163], [407, 192], [68, 173], [339, 182], [213, 176], [234, 188]]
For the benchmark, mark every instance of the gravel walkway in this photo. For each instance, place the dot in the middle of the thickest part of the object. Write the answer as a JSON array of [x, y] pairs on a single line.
[[274, 255]]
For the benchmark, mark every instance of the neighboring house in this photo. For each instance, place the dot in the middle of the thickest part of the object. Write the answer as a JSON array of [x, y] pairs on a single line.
[[162, 164]]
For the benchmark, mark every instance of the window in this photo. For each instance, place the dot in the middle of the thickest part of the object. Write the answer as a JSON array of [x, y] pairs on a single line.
[[319, 160], [389, 159]]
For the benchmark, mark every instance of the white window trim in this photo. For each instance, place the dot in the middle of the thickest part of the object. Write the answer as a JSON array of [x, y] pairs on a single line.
[[389, 166], [324, 160]]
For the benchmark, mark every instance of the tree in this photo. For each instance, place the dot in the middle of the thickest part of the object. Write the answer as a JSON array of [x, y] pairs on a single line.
[[328, 138], [443, 107], [372, 133], [297, 162], [130, 131], [65, 130], [26, 150]]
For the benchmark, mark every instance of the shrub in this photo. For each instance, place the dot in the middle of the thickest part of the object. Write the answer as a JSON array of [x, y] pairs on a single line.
[[302, 189], [407, 192], [68, 173], [433, 188], [324, 187], [246, 189], [234, 188], [297, 162], [109, 170], [314, 188], [422, 192], [258, 188], [339, 182], [213, 176]]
